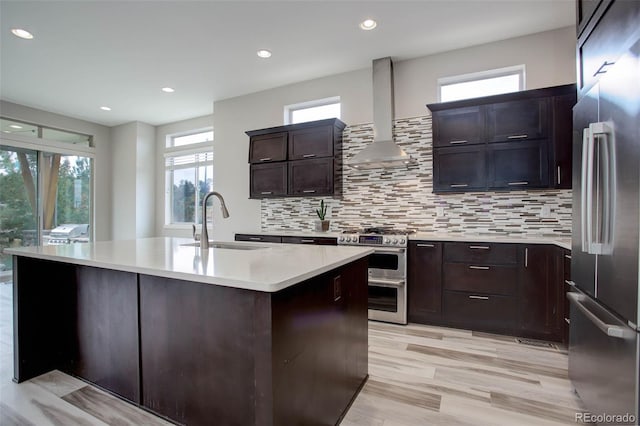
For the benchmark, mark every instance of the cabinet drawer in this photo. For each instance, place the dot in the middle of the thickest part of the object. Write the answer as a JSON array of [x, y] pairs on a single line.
[[481, 253], [486, 279], [458, 127], [313, 142], [324, 241], [473, 310], [518, 120], [258, 238], [267, 148]]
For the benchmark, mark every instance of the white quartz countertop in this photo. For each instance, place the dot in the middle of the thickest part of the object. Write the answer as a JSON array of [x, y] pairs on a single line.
[[269, 268]]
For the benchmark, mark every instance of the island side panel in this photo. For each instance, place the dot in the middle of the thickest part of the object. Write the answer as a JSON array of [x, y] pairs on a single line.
[[106, 339], [197, 351], [320, 344], [42, 296]]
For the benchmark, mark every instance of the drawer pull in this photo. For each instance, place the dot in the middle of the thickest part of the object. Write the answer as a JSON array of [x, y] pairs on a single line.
[[309, 191], [308, 155], [559, 171], [568, 256], [307, 241], [425, 245], [567, 320], [266, 159], [571, 283], [602, 69], [518, 183], [458, 185], [479, 247], [481, 268], [517, 137], [266, 192], [479, 297], [457, 142], [526, 257], [255, 238]]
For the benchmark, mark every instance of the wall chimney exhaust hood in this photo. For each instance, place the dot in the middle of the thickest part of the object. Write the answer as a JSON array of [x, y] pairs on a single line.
[[383, 152]]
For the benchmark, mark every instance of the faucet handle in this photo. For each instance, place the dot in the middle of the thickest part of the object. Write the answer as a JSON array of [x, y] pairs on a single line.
[[196, 237]]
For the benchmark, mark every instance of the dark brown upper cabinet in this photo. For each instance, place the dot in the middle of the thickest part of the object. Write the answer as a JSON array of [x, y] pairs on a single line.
[[606, 31], [299, 160], [268, 148], [517, 120], [458, 126], [520, 140]]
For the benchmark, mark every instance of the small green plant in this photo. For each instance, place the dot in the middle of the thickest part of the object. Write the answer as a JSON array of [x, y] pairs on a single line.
[[322, 211]]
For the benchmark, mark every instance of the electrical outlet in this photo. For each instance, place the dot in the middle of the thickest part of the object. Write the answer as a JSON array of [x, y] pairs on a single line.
[[439, 211], [545, 211]]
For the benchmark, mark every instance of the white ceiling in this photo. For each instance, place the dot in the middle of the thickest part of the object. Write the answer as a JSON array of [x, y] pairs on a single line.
[[87, 54]]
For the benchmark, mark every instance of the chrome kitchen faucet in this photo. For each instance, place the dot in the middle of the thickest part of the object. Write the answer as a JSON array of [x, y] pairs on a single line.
[[204, 235]]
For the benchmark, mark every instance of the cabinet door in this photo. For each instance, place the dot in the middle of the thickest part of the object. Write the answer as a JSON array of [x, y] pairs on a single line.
[[539, 308], [268, 148], [459, 169], [268, 180], [562, 140], [518, 120], [424, 281], [566, 287], [514, 165], [311, 142], [459, 126], [311, 177]]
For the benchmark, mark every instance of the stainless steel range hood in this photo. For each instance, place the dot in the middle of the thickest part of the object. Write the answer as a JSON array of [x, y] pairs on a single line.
[[383, 152]]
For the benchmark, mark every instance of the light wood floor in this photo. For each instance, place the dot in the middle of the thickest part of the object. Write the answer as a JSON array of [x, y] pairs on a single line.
[[419, 375]]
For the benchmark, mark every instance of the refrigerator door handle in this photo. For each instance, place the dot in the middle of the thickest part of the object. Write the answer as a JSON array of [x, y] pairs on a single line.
[[612, 330], [587, 189], [607, 190]]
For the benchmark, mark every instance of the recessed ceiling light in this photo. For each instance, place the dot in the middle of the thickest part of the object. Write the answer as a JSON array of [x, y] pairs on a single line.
[[368, 24], [105, 108], [19, 32], [15, 126], [168, 89], [264, 53]]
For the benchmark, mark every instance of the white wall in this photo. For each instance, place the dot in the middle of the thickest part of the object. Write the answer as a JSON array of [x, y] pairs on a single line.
[[549, 58], [102, 163], [161, 134], [133, 181]]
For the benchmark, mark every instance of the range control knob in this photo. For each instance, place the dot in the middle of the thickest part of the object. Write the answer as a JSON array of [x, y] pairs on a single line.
[[395, 241], [354, 239], [385, 241], [341, 239], [402, 241]]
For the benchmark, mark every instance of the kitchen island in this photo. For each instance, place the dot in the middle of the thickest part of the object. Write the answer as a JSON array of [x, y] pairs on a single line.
[[239, 334]]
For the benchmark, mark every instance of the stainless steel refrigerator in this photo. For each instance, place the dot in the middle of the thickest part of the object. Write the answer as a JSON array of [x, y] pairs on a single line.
[[603, 342]]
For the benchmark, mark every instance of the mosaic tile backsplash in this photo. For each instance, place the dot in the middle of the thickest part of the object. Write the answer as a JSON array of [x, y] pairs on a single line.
[[403, 198]]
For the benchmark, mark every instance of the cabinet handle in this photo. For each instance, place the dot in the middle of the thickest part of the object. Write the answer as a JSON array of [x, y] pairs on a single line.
[[458, 185], [266, 192], [602, 70], [255, 238], [518, 183], [559, 175], [526, 257], [308, 155], [482, 268], [457, 142], [479, 297], [517, 137], [567, 320], [307, 241], [571, 283], [309, 191], [425, 245], [266, 159], [568, 256], [480, 247]]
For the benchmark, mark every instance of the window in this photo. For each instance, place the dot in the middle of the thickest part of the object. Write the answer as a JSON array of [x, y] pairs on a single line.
[[312, 110], [189, 176], [485, 83], [12, 128]]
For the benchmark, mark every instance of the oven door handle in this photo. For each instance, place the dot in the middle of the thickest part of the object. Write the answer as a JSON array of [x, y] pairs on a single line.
[[386, 283], [388, 250]]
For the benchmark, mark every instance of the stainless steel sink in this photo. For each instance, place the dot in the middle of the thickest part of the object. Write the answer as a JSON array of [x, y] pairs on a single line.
[[228, 246]]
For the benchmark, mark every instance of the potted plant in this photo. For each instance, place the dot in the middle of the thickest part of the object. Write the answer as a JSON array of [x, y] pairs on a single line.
[[322, 224]]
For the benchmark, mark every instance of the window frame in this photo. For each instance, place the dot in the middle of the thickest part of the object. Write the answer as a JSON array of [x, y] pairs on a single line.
[[290, 109], [518, 70], [199, 148]]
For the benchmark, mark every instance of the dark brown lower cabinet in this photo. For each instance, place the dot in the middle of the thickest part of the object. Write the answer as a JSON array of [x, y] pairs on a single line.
[[198, 353], [424, 286], [565, 275], [480, 311]]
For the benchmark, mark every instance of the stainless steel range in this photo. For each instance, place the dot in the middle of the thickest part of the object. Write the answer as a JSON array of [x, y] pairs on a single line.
[[387, 271]]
